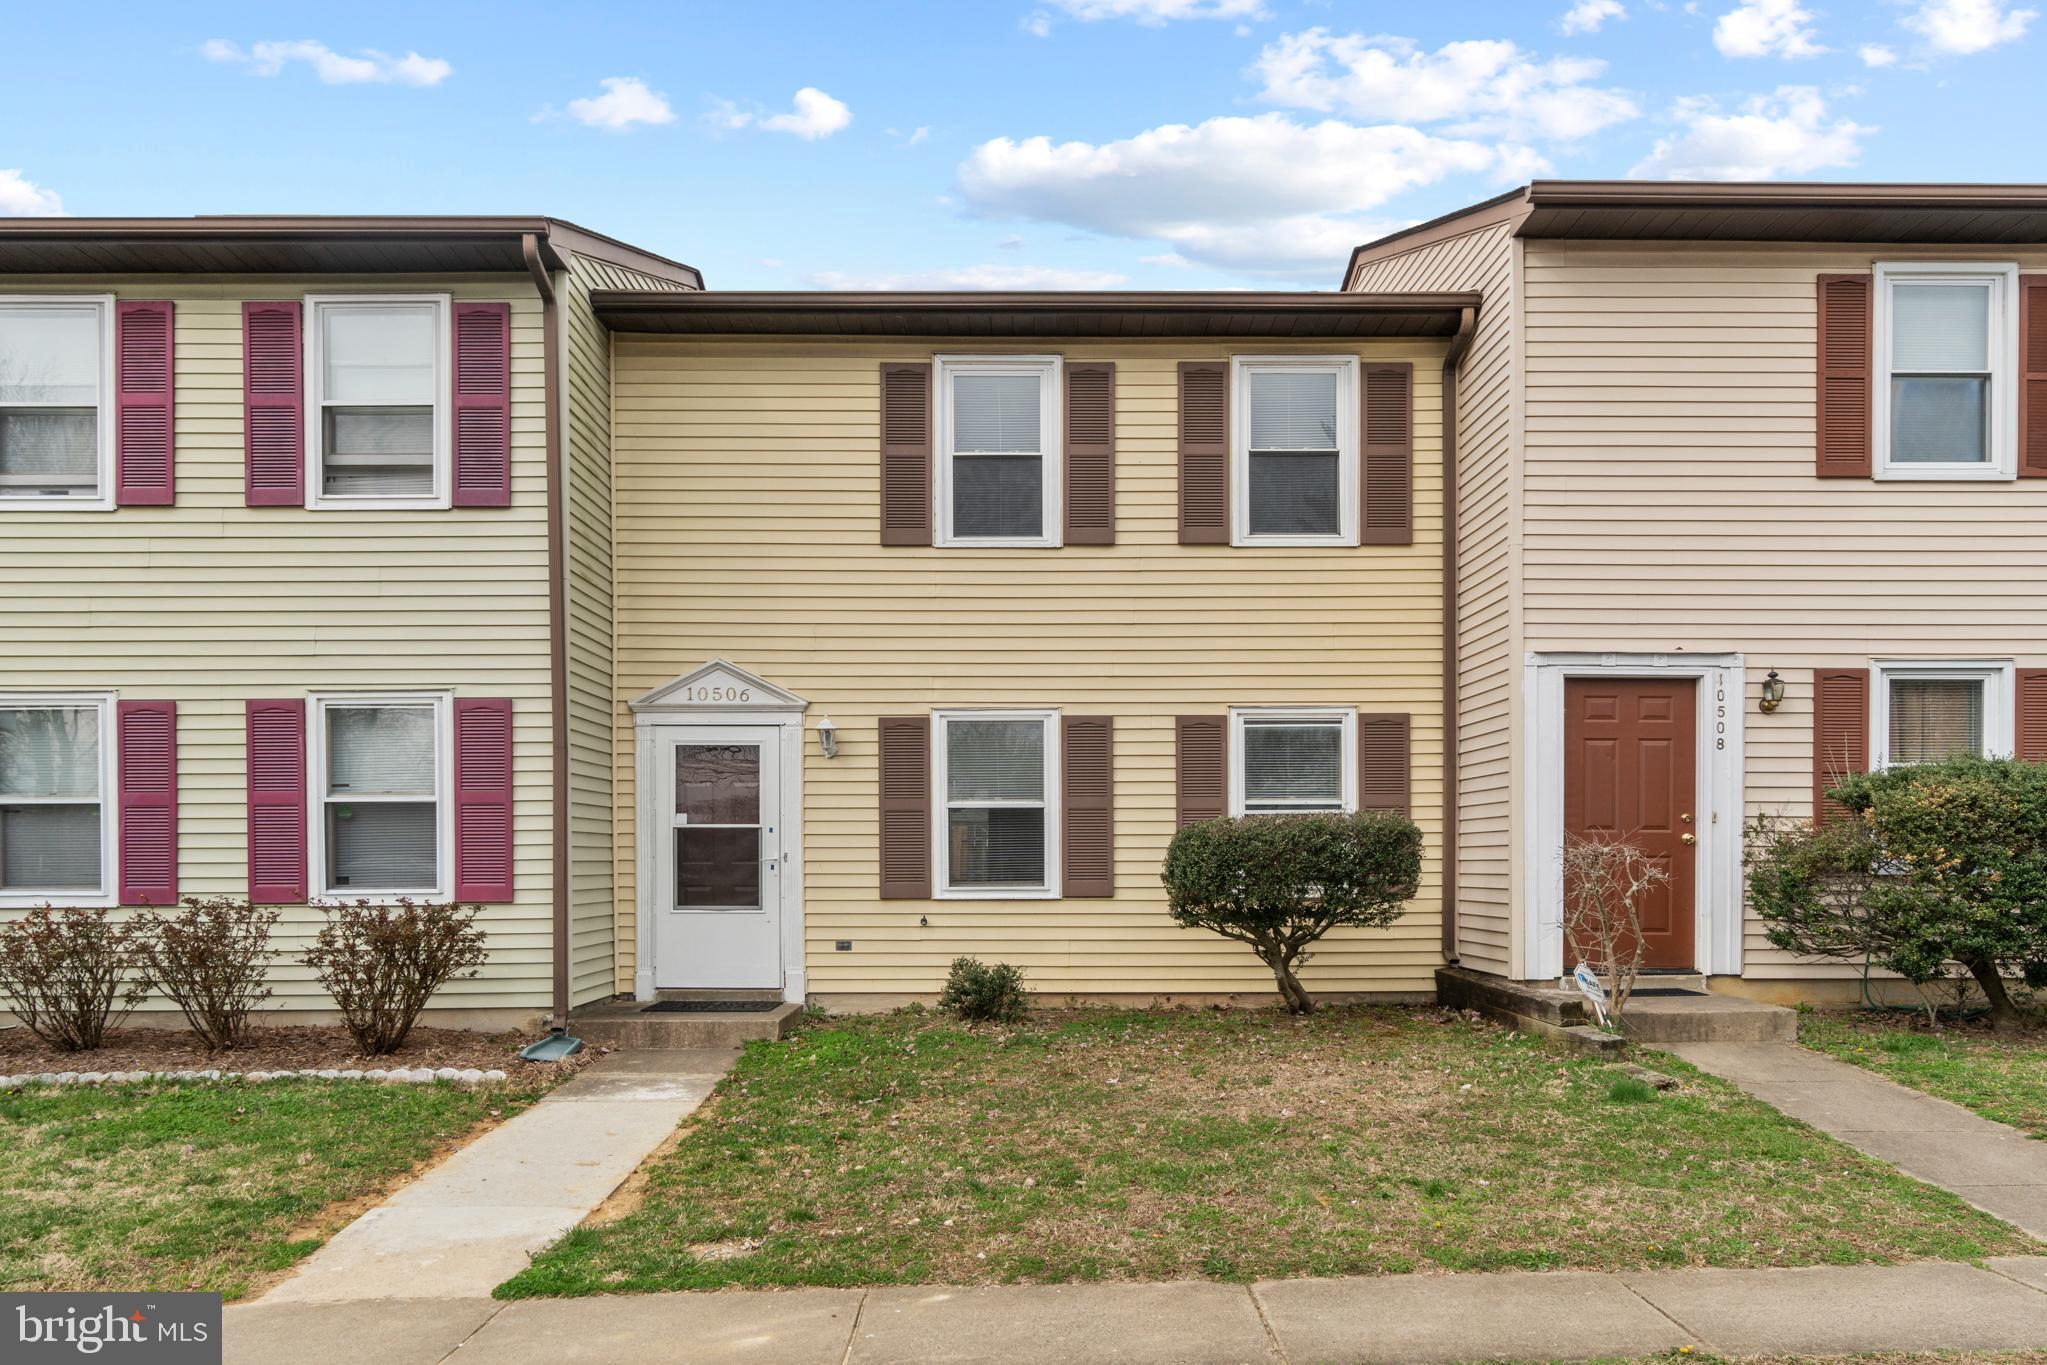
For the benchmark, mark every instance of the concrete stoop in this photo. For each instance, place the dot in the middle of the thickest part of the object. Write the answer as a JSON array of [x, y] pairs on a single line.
[[1538, 1007], [627, 1024], [1709, 1019]]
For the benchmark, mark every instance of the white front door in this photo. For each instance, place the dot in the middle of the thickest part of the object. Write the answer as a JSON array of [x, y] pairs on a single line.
[[717, 893]]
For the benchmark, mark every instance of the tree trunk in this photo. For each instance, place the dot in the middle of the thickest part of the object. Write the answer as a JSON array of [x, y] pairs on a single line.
[[2003, 1015], [1291, 993]]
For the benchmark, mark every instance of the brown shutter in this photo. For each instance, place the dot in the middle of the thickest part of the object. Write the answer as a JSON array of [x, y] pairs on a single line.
[[1840, 733], [1087, 831], [1846, 389], [1385, 769], [2031, 740], [2033, 376], [906, 454], [1387, 419], [1204, 452], [905, 807], [1200, 768], [1091, 454]]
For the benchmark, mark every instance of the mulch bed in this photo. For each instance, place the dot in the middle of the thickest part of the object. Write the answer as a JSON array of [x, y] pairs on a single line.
[[291, 1047]]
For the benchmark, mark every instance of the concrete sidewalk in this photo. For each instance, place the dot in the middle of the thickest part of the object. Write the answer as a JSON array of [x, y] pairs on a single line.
[[1569, 1315], [472, 1222], [1997, 1168]]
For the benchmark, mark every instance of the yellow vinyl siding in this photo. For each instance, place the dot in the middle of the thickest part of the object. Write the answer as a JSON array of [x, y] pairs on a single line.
[[1488, 560], [747, 523], [210, 603]]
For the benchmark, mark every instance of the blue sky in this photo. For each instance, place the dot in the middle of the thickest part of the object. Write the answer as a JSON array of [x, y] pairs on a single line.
[[995, 143]]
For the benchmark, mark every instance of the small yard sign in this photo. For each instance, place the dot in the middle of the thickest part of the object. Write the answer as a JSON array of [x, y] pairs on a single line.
[[1596, 993]]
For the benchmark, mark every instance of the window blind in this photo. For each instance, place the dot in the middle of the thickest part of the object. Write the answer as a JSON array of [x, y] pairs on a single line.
[[995, 760], [55, 848], [1940, 328], [997, 412], [382, 845], [1293, 766], [1935, 718], [1293, 410]]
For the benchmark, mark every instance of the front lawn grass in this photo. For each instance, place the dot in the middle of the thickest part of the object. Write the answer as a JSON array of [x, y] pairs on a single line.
[[204, 1185], [1230, 1145], [2000, 1076]]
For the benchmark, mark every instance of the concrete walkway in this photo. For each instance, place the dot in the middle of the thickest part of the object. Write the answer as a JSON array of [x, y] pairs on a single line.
[[474, 1221], [1565, 1316], [1997, 1168]]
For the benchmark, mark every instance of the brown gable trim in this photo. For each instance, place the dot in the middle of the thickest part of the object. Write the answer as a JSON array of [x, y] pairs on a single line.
[[1510, 207]]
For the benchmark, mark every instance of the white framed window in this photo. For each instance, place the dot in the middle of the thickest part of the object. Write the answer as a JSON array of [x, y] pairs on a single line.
[[56, 402], [57, 815], [1293, 759], [1294, 450], [381, 806], [1946, 400], [995, 777], [999, 446], [377, 421], [1923, 711]]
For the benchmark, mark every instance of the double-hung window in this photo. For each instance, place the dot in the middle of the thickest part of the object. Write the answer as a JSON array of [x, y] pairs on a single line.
[[997, 780], [56, 418], [1947, 343], [1291, 760], [56, 823], [1926, 711], [1295, 450], [380, 797], [376, 420], [998, 437]]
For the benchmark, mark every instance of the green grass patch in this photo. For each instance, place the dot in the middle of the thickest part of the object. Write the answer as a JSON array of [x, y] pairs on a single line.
[[2002, 1077], [1229, 1145], [212, 1186]]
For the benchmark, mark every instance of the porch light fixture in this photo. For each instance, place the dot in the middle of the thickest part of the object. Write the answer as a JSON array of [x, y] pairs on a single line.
[[1773, 693], [827, 736]]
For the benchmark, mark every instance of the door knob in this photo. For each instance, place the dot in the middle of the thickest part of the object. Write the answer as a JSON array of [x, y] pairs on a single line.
[[1688, 838]]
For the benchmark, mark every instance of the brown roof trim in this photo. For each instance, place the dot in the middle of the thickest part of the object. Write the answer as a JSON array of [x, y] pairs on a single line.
[[1092, 313], [1501, 208]]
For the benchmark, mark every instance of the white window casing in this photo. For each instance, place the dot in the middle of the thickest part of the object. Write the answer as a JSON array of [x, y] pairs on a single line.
[[1295, 401], [1996, 719], [39, 782], [975, 441], [1934, 336], [373, 768], [377, 401], [56, 368], [983, 794], [1283, 786]]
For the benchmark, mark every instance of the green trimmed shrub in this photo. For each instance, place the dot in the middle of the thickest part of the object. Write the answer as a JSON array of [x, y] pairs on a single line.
[[984, 993]]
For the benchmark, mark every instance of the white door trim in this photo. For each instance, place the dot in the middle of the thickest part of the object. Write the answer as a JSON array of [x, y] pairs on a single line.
[[1717, 900]]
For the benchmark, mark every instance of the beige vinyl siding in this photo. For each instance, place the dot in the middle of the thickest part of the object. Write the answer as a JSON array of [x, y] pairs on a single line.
[[1488, 560], [747, 527], [1671, 502], [210, 603]]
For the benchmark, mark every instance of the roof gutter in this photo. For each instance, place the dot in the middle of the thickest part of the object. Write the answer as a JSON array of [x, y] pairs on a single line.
[[1467, 326], [557, 620]]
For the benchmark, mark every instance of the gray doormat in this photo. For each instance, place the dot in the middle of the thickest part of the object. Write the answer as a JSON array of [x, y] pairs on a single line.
[[719, 1006]]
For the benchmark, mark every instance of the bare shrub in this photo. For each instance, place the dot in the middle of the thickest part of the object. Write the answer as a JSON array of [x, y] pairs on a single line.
[[1605, 880], [64, 973], [381, 963], [212, 958]]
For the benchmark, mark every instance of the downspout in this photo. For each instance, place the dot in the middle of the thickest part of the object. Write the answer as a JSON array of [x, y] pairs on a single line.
[[557, 622], [1467, 324]]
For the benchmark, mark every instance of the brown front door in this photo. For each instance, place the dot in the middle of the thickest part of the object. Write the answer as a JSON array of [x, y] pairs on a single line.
[[1630, 771]]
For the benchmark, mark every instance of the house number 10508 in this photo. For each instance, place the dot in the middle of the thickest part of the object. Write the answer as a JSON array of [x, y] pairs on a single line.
[[717, 694]]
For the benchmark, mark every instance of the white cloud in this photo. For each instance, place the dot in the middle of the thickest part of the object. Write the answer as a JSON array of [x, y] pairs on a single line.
[[1478, 87], [813, 115], [1587, 15], [21, 197], [1785, 132], [1266, 195], [1766, 28], [1171, 260], [1156, 12], [1876, 54], [974, 277], [1011, 243], [366, 67], [626, 101], [1959, 27], [1037, 23]]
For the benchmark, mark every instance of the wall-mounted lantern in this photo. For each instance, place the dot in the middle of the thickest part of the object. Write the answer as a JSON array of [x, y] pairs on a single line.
[[1773, 693], [827, 736]]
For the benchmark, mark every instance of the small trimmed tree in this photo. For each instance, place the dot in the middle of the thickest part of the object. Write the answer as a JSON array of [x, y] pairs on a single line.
[[1278, 883]]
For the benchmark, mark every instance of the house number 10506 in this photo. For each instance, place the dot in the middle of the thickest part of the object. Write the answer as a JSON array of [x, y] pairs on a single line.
[[717, 694]]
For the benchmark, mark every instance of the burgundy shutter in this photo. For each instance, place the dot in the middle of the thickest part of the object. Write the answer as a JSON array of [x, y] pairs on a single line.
[[483, 799], [905, 807], [1204, 452], [1200, 769], [2031, 708], [1091, 453], [273, 406], [1087, 832], [906, 454], [1388, 461], [1846, 388], [2033, 376], [277, 801], [144, 465], [1385, 765], [147, 749], [483, 405], [1840, 733]]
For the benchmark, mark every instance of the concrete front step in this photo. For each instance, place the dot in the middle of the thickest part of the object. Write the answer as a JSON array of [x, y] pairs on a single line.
[[626, 1024], [1545, 1008], [1708, 1019]]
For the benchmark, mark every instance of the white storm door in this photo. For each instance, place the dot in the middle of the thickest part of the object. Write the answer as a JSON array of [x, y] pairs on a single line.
[[718, 857]]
